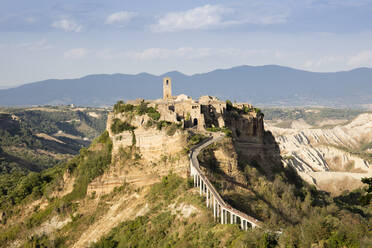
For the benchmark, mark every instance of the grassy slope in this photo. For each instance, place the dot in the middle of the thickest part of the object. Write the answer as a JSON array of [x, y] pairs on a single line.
[[278, 197], [86, 166], [163, 225], [274, 195]]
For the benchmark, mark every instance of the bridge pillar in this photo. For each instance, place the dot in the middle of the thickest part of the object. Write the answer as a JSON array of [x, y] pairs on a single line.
[[241, 223], [225, 220], [222, 215], [194, 180], [207, 198], [214, 209], [231, 218], [201, 186]]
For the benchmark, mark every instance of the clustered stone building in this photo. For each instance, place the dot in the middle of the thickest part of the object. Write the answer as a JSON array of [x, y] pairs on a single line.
[[206, 112]]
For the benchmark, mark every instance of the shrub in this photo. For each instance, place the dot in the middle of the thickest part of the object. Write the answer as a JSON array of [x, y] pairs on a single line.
[[257, 110], [39, 217], [153, 113], [155, 116], [149, 123], [141, 109], [225, 130], [167, 189], [173, 128], [119, 126], [121, 107], [196, 139], [367, 197], [104, 138], [229, 105], [41, 242], [9, 234], [90, 165], [162, 124]]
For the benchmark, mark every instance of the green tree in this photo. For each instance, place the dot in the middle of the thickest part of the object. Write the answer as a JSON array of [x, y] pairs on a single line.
[[229, 105], [366, 199]]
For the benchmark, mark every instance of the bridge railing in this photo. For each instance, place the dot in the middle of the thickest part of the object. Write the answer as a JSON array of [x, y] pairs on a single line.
[[195, 165]]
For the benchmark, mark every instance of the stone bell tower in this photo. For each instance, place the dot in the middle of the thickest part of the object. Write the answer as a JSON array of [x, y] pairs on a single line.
[[167, 88]]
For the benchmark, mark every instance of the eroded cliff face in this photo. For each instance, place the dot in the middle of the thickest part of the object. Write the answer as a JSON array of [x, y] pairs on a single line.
[[327, 157], [223, 156], [150, 142], [141, 156], [246, 127]]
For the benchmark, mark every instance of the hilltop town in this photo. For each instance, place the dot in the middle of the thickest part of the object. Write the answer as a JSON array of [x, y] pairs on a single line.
[[206, 112], [174, 171]]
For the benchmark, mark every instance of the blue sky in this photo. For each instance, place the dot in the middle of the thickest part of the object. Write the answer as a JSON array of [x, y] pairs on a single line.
[[44, 39]]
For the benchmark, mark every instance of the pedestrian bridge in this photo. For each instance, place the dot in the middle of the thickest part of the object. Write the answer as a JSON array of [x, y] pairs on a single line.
[[221, 210]]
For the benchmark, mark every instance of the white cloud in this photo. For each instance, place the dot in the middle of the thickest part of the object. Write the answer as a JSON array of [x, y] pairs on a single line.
[[268, 19], [188, 53], [67, 25], [157, 53], [109, 53], [217, 16], [208, 16], [363, 58], [36, 46], [121, 17], [324, 61], [77, 53], [344, 3]]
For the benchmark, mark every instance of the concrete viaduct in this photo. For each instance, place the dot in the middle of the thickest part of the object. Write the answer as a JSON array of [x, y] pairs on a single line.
[[221, 210]]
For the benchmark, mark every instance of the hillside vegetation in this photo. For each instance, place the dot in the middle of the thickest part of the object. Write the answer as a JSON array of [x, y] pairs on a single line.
[[33, 139], [57, 207]]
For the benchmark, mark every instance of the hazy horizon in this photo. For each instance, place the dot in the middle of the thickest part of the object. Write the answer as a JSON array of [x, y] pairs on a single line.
[[70, 39], [2, 87]]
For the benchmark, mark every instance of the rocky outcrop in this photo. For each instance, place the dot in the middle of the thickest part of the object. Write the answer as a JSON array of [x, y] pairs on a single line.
[[246, 127], [141, 156], [150, 142], [143, 152], [322, 156]]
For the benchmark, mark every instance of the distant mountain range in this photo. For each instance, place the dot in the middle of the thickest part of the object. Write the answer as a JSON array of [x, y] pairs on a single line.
[[268, 85]]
